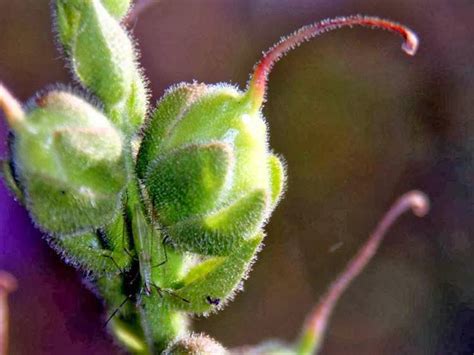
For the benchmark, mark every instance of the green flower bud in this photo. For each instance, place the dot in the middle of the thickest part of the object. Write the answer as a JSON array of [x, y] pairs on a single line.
[[207, 167], [205, 162], [69, 160], [103, 57]]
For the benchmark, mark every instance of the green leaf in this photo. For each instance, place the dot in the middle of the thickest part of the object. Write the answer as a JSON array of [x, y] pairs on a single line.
[[217, 278], [189, 181], [221, 232]]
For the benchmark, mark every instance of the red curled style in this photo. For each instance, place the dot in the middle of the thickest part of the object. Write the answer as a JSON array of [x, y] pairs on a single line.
[[257, 85]]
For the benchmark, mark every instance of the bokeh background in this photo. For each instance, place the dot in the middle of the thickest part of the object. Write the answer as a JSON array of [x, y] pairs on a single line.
[[358, 122]]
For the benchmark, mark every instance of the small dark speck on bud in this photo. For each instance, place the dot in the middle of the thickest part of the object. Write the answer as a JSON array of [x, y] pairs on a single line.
[[213, 301]]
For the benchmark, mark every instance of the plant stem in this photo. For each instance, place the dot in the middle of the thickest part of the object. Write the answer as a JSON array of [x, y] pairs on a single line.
[[315, 326]]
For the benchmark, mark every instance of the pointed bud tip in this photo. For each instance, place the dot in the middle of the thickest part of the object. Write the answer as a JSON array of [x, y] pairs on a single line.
[[410, 46], [420, 203], [8, 282], [257, 85], [11, 107]]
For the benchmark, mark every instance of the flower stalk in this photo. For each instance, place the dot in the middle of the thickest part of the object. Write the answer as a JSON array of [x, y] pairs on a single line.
[[314, 329]]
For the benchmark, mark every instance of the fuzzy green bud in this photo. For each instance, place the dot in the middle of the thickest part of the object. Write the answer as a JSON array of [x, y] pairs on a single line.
[[103, 57], [69, 160], [207, 167], [201, 133]]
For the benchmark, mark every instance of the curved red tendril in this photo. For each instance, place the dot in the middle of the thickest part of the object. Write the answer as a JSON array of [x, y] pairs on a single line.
[[258, 81]]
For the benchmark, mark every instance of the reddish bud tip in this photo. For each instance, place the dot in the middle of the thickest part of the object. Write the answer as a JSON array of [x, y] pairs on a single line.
[[410, 46], [11, 107], [8, 282]]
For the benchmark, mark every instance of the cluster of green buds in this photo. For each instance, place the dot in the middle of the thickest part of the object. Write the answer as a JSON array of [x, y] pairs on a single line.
[[164, 213]]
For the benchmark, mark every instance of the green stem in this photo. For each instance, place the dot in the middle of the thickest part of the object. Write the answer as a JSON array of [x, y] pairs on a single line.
[[159, 323]]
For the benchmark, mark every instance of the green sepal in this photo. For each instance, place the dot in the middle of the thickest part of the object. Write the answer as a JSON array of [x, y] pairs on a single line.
[[137, 102], [214, 115], [86, 253], [160, 321], [222, 114], [167, 266], [189, 181], [217, 277], [277, 179], [103, 55], [221, 232], [7, 174], [88, 156], [60, 208], [169, 110], [117, 8], [67, 20]]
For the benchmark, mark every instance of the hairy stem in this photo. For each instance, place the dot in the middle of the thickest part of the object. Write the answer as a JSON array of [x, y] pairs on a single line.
[[315, 326]]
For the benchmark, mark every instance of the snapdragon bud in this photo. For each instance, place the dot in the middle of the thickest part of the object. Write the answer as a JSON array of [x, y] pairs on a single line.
[[207, 167], [205, 162], [103, 57], [70, 163]]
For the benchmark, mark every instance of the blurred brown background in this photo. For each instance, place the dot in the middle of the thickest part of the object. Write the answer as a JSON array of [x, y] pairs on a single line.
[[358, 122]]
